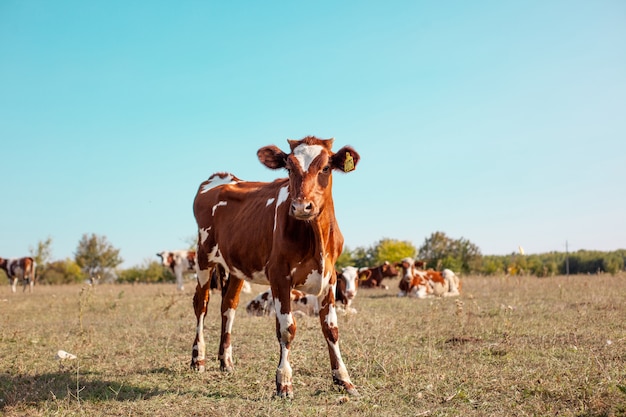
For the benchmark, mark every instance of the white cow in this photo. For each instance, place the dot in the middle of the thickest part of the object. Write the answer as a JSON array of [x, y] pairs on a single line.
[[180, 262], [183, 262]]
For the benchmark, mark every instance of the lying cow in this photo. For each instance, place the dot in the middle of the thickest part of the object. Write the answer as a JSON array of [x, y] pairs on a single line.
[[411, 283], [422, 283], [442, 284], [347, 285], [21, 268], [345, 291], [373, 277]]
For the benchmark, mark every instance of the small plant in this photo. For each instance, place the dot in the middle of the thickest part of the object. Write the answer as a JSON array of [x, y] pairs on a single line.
[[84, 298]]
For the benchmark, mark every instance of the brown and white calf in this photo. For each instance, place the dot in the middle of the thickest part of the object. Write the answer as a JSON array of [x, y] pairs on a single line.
[[307, 304], [376, 275], [411, 283], [263, 304], [441, 284], [20, 268], [421, 283], [282, 233], [346, 288], [181, 262]]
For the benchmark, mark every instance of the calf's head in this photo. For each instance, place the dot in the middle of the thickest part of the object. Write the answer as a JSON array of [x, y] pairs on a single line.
[[310, 164], [167, 258]]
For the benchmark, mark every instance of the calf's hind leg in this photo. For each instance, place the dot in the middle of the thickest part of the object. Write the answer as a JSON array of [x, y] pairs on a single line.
[[230, 301], [200, 302]]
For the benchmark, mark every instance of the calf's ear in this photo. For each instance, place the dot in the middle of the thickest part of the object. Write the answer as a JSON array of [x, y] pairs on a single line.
[[272, 157], [345, 159]]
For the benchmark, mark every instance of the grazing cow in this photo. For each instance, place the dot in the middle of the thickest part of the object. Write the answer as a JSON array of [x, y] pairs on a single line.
[[180, 262], [377, 273], [283, 233], [20, 268], [345, 291]]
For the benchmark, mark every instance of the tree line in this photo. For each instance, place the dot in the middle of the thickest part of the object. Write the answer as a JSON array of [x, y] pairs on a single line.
[[96, 258], [439, 251]]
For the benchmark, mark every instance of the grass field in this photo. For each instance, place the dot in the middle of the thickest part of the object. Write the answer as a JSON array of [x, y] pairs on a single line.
[[506, 347]]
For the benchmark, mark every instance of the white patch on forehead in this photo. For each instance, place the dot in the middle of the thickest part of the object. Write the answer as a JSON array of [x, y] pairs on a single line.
[[221, 203], [270, 201], [350, 273], [306, 154], [216, 181]]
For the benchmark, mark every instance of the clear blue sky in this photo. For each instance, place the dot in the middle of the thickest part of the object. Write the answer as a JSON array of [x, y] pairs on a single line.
[[503, 122]]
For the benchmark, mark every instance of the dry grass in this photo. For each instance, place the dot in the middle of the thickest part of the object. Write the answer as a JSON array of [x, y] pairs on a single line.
[[506, 347]]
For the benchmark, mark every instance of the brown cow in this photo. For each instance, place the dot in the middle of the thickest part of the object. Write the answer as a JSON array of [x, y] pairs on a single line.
[[283, 233], [20, 268], [377, 273]]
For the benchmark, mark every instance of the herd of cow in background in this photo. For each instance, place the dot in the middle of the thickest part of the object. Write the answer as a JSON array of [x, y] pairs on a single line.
[[283, 234], [415, 281]]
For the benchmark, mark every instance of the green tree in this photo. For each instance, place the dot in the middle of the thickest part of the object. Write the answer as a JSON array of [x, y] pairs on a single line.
[[96, 256], [467, 256], [492, 265], [362, 257], [434, 249], [392, 250], [345, 259], [149, 271], [62, 272], [439, 251]]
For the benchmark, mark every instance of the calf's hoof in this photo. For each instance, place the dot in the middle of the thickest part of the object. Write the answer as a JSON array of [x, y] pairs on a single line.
[[347, 386], [198, 366], [284, 392]]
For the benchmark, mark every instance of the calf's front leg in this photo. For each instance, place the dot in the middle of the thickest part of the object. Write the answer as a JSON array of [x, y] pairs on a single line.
[[328, 320], [285, 332]]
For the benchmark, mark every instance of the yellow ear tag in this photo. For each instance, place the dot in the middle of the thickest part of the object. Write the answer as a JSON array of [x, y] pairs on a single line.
[[348, 165]]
